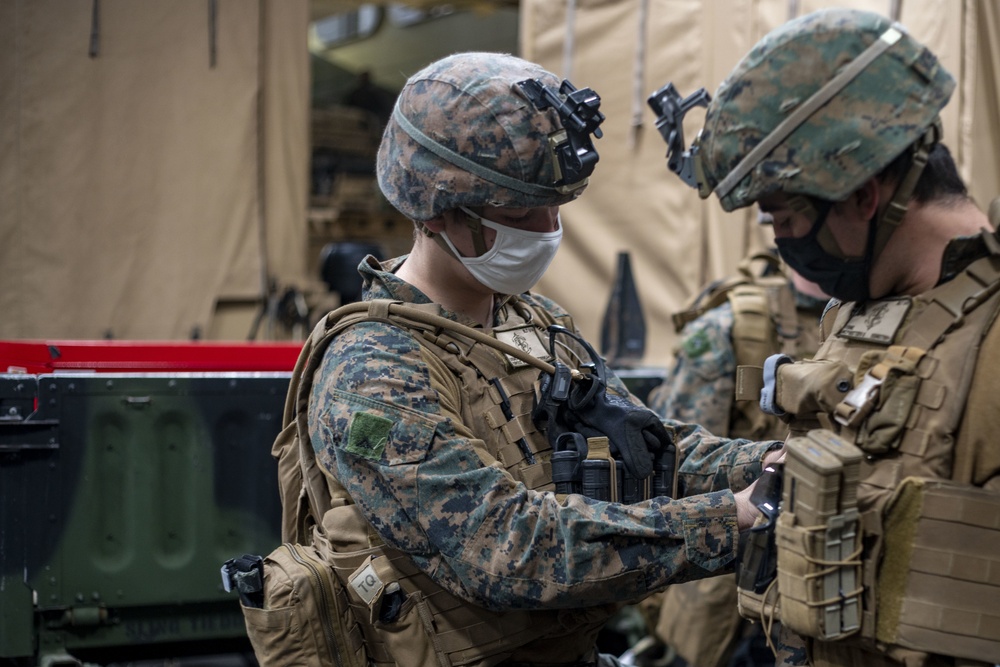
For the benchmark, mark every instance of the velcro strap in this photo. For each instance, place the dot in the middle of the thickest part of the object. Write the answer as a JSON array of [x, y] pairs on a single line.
[[379, 309], [510, 454], [513, 430], [537, 475], [749, 382], [494, 416]]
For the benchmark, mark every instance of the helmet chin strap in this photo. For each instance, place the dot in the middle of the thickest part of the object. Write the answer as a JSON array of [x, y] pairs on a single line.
[[894, 211], [473, 222]]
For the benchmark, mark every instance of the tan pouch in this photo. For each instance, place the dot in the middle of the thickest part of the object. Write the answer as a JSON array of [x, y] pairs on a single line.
[[763, 608], [402, 618], [698, 619], [814, 602], [305, 620], [939, 577]]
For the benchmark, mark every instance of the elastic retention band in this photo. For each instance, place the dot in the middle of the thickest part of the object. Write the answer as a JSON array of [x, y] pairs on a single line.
[[468, 165], [810, 106]]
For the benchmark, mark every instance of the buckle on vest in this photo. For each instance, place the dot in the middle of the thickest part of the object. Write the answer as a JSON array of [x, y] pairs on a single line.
[[858, 403]]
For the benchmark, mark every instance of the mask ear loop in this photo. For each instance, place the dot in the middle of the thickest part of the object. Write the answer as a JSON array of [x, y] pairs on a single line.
[[817, 210]]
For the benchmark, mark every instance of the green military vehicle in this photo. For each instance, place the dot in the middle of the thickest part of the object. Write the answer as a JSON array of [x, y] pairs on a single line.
[[129, 472]]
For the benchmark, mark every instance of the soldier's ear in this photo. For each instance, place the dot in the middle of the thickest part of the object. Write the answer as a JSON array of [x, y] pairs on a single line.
[[435, 225], [867, 198]]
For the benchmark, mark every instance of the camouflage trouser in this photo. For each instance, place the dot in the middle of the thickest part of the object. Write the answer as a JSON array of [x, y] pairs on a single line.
[[791, 649]]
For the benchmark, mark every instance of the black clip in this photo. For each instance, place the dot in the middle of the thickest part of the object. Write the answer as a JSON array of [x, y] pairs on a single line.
[[578, 112], [245, 575], [670, 110]]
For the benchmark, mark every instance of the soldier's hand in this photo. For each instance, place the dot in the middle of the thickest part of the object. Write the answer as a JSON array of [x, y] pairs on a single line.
[[773, 456], [747, 507], [746, 513]]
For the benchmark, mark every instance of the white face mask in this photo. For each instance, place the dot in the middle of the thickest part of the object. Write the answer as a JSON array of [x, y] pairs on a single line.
[[517, 259]]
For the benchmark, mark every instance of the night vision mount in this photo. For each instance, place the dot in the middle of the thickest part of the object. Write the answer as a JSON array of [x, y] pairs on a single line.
[[670, 110], [572, 147]]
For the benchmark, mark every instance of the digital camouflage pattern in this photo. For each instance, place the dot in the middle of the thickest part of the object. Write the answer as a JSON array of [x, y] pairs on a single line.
[[414, 468], [884, 110], [470, 104], [702, 382]]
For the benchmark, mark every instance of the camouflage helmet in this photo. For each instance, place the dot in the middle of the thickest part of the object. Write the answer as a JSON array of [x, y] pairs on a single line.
[[820, 105], [464, 133]]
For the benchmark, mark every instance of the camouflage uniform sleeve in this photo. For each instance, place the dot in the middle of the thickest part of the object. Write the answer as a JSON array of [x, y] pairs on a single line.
[[701, 385], [709, 462], [381, 422]]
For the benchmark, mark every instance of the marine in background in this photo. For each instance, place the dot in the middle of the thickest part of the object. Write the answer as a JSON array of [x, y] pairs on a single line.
[[764, 309]]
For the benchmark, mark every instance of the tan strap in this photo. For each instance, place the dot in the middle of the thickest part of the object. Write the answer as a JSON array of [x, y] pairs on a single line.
[[896, 209], [785, 319], [599, 449], [860, 401], [749, 382], [954, 299], [409, 312], [705, 301], [717, 292]]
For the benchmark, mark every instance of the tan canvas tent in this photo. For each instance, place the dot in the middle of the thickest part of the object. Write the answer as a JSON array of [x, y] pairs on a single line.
[[154, 155], [153, 163], [626, 49]]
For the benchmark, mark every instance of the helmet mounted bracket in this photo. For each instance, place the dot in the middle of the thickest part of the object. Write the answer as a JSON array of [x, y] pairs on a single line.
[[670, 110], [573, 152]]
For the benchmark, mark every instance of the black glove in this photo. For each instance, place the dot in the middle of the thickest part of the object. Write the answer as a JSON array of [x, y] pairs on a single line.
[[635, 434]]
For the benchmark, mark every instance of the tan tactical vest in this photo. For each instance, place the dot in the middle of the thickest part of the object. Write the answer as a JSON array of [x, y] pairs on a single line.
[[699, 619], [433, 627], [893, 378], [766, 321]]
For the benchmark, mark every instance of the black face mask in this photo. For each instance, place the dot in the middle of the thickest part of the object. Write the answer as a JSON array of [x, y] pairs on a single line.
[[844, 279]]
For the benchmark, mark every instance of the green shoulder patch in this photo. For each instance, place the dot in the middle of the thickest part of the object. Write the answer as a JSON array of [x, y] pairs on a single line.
[[368, 435], [696, 344]]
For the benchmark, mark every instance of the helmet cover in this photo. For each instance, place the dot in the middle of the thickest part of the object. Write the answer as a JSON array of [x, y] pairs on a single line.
[[471, 106], [866, 124]]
